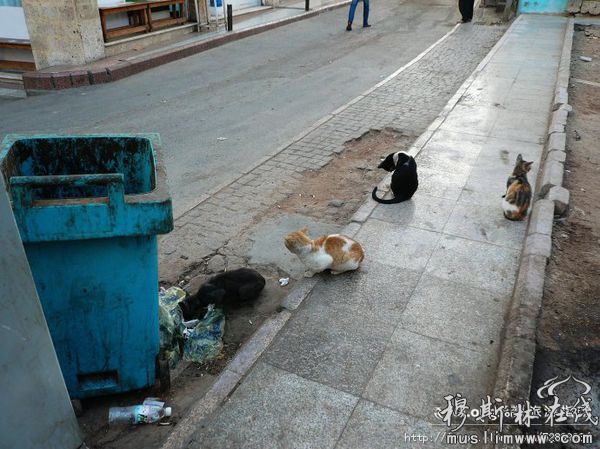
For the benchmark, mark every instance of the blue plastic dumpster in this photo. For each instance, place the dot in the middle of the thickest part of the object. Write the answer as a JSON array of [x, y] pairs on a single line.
[[88, 210]]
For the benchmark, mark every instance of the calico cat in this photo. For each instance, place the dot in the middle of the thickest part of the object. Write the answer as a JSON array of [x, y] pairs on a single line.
[[225, 290], [517, 198], [334, 252], [404, 179]]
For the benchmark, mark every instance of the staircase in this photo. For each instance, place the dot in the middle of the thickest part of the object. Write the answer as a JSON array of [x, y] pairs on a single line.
[[10, 80]]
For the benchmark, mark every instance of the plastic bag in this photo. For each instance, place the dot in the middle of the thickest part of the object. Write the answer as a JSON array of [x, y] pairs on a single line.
[[205, 341], [171, 323]]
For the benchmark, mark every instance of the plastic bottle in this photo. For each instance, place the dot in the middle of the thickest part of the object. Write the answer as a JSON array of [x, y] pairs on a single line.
[[156, 402], [137, 414]]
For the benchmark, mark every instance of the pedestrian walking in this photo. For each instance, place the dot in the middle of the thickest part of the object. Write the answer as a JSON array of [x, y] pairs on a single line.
[[466, 10], [353, 10]]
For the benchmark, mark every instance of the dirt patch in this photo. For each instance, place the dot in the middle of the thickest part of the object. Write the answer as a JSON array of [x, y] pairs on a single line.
[[189, 386], [569, 327], [336, 191], [571, 313]]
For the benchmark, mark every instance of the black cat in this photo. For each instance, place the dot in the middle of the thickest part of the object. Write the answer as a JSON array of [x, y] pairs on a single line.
[[225, 290], [404, 179]]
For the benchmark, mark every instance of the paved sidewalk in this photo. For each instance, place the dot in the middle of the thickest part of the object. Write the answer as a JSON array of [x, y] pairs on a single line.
[[369, 355], [408, 103]]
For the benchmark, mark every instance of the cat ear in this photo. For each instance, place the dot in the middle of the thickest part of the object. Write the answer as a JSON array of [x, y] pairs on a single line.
[[528, 165], [519, 158], [304, 230]]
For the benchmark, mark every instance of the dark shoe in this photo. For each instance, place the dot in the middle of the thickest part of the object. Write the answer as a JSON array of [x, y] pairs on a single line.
[[466, 20], [349, 27], [367, 26]]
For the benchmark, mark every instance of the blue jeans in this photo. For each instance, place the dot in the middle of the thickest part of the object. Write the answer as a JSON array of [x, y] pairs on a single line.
[[365, 11]]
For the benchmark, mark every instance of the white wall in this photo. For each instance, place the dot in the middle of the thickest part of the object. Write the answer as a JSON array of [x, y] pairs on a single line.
[[12, 23]]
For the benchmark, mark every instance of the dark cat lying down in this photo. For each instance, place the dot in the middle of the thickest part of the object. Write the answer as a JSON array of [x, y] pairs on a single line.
[[225, 290], [404, 177]]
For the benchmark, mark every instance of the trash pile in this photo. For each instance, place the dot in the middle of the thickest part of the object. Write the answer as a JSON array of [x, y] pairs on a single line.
[[195, 340]]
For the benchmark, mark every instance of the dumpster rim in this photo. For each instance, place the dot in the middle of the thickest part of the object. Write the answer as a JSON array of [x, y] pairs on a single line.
[[160, 192]]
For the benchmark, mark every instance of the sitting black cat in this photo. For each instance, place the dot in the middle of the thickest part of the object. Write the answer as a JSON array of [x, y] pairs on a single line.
[[404, 179], [225, 290]]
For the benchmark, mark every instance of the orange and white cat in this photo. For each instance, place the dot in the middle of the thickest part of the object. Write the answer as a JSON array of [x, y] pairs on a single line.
[[334, 252]]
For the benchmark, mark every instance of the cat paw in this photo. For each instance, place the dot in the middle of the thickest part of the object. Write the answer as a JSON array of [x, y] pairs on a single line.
[[335, 273]]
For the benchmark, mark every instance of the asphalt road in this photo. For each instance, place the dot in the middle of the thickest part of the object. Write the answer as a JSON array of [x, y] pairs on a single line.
[[257, 93]]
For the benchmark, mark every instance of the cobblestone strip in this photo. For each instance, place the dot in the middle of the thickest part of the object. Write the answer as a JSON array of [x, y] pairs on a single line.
[[408, 102]]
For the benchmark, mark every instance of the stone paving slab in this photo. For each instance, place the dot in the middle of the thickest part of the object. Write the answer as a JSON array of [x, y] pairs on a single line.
[[402, 247], [373, 426], [376, 289], [424, 211], [474, 263], [460, 307], [442, 184], [277, 409], [267, 240], [416, 372], [329, 345], [325, 341], [483, 223]]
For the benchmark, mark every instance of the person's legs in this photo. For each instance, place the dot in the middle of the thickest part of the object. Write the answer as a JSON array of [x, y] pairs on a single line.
[[466, 9], [366, 13], [469, 9], [351, 14]]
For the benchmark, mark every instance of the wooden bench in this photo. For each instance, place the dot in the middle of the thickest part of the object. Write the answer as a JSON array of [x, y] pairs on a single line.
[[140, 17], [137, 15], [176, 15], [18, 44]]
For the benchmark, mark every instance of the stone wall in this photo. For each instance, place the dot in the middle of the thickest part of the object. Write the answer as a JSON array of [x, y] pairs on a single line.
[[584, 7], [64, 32]]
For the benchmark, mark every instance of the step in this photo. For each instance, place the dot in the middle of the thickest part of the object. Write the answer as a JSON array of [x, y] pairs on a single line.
[[10, 80]]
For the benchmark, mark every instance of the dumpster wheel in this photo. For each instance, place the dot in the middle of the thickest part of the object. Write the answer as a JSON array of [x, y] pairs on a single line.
[[163, 374]]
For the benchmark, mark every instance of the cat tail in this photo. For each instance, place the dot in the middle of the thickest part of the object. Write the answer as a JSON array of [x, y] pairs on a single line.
[[396, 199], [515, 216]]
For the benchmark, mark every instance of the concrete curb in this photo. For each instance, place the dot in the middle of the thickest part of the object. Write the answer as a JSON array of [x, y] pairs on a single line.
[[555, 152], [561, 198], [552, 175], [561, 93], [119, 69], [515, 367]]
